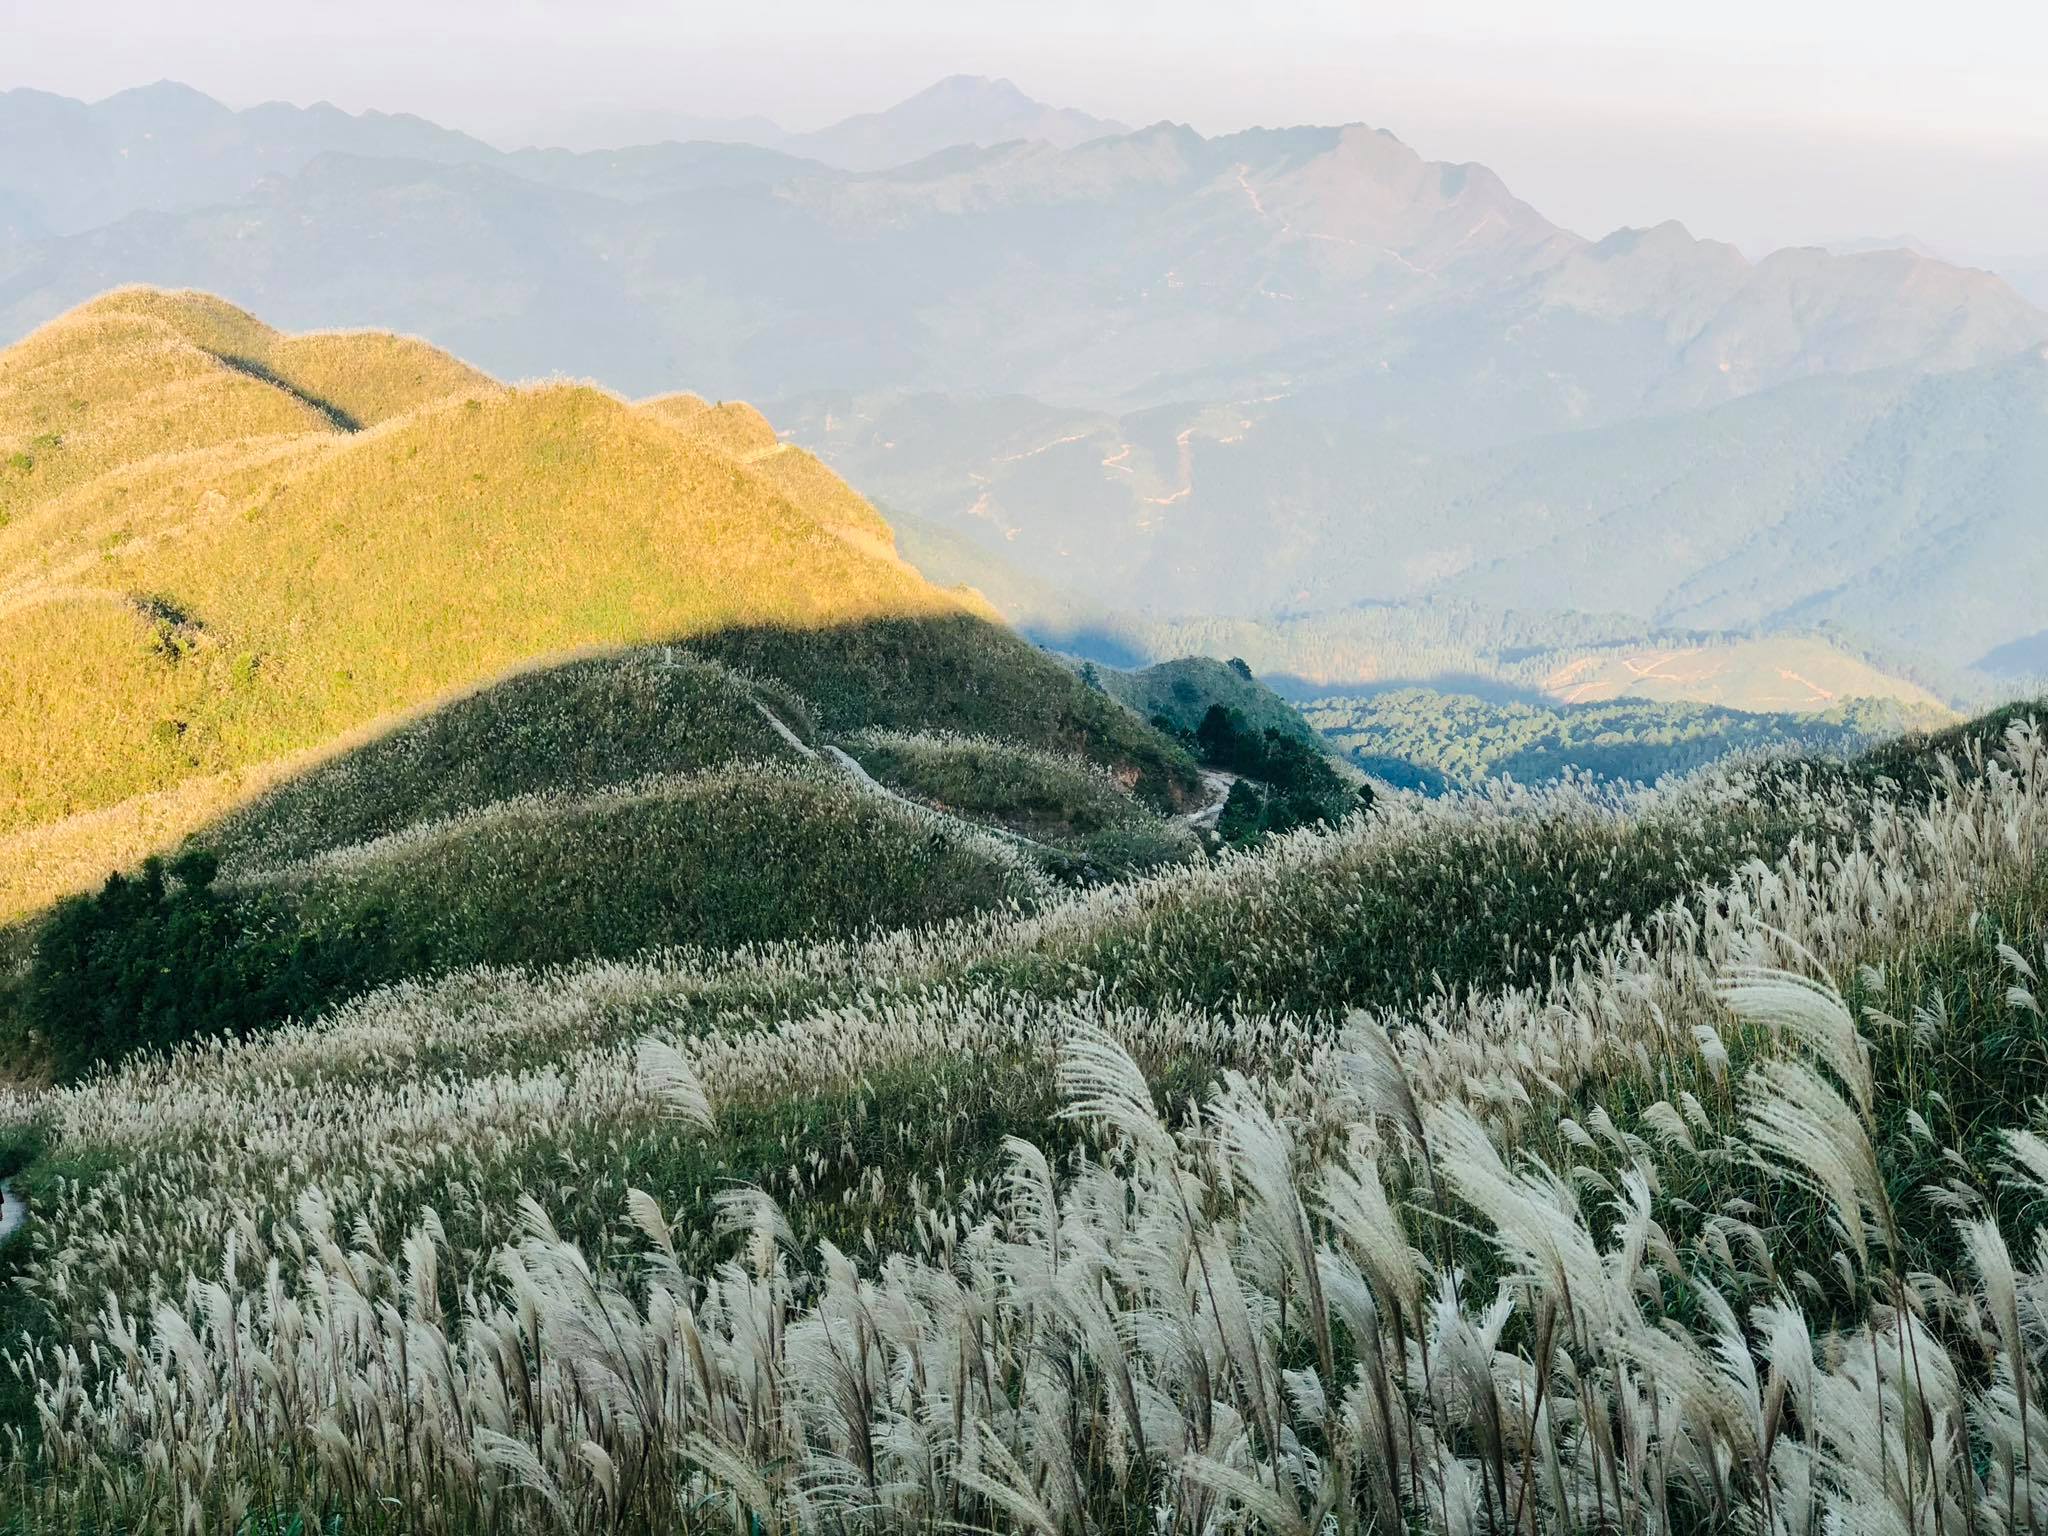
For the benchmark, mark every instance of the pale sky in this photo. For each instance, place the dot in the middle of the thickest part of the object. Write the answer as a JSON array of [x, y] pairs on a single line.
[[1764, 122]]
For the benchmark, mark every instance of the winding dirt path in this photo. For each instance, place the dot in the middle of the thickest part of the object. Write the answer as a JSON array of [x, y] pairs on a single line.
[[1219, 785]]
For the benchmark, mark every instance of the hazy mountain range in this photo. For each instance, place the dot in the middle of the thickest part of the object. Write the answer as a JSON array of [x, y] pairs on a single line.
[[1267, 374]]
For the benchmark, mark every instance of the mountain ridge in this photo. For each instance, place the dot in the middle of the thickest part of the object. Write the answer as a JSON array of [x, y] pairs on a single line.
[[1271, 343]]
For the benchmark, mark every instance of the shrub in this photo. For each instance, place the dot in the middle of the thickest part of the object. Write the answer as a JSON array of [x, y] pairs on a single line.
[[167, 954]]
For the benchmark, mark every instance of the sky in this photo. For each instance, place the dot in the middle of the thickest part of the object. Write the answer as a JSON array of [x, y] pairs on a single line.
[[1756, 122]]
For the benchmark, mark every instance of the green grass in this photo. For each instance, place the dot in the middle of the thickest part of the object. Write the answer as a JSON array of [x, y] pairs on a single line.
[[1060, 802], [570, 729], [961, 675]]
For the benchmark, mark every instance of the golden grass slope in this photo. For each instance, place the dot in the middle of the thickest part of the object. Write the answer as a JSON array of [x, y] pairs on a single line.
[[355, 378], [204, 570]]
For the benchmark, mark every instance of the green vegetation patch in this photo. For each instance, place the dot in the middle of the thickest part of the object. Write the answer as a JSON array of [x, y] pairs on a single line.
[[1065, 803], [964, 675], [1419, 738], [572, 729], [1178, 694]]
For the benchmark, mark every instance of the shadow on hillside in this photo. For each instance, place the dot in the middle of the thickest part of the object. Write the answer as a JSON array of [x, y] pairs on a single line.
[[599, 806], [955, 673], [337, 418]]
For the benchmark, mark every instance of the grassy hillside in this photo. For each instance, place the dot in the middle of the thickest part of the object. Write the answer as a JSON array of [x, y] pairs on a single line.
[[964, 676], [572, 729], [230, 550], [586, 1104], [607, 806], [1058, 802], [733, 855], [1511, 1080], [310, 728], [1181, 692]]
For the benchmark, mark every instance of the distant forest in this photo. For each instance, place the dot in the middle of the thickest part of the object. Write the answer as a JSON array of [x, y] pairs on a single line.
[[1417, 738]]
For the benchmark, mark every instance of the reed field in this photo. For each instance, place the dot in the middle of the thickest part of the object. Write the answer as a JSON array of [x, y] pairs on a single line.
[[1719, 1213]]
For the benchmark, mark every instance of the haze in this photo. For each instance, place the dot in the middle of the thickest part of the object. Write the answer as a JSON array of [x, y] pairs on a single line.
[[1763, 124]]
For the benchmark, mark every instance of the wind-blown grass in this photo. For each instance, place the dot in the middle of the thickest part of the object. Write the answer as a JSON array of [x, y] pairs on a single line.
[[1531, 1256]]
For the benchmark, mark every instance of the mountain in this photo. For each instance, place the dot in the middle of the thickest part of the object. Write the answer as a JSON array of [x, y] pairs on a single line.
[[2027, 271], [960, 110], [223, 548], [1864, 245], [72, 166], [1149, 268], [1894, 504], [1270, 374], [595, 128]]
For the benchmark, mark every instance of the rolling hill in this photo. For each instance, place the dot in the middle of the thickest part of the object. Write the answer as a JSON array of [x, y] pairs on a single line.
[[227, 551]]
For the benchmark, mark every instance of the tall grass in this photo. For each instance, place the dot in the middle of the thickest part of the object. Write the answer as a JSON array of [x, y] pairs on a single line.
[[1647, 1242], [737, 854], [1058, 801]]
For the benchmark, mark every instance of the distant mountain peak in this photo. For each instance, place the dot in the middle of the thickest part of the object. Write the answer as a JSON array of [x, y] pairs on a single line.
[[971, 110], [163, 100], [974, 87]]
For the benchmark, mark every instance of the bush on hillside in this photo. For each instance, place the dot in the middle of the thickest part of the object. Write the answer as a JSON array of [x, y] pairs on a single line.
[[168, 954], [1296, 786]]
